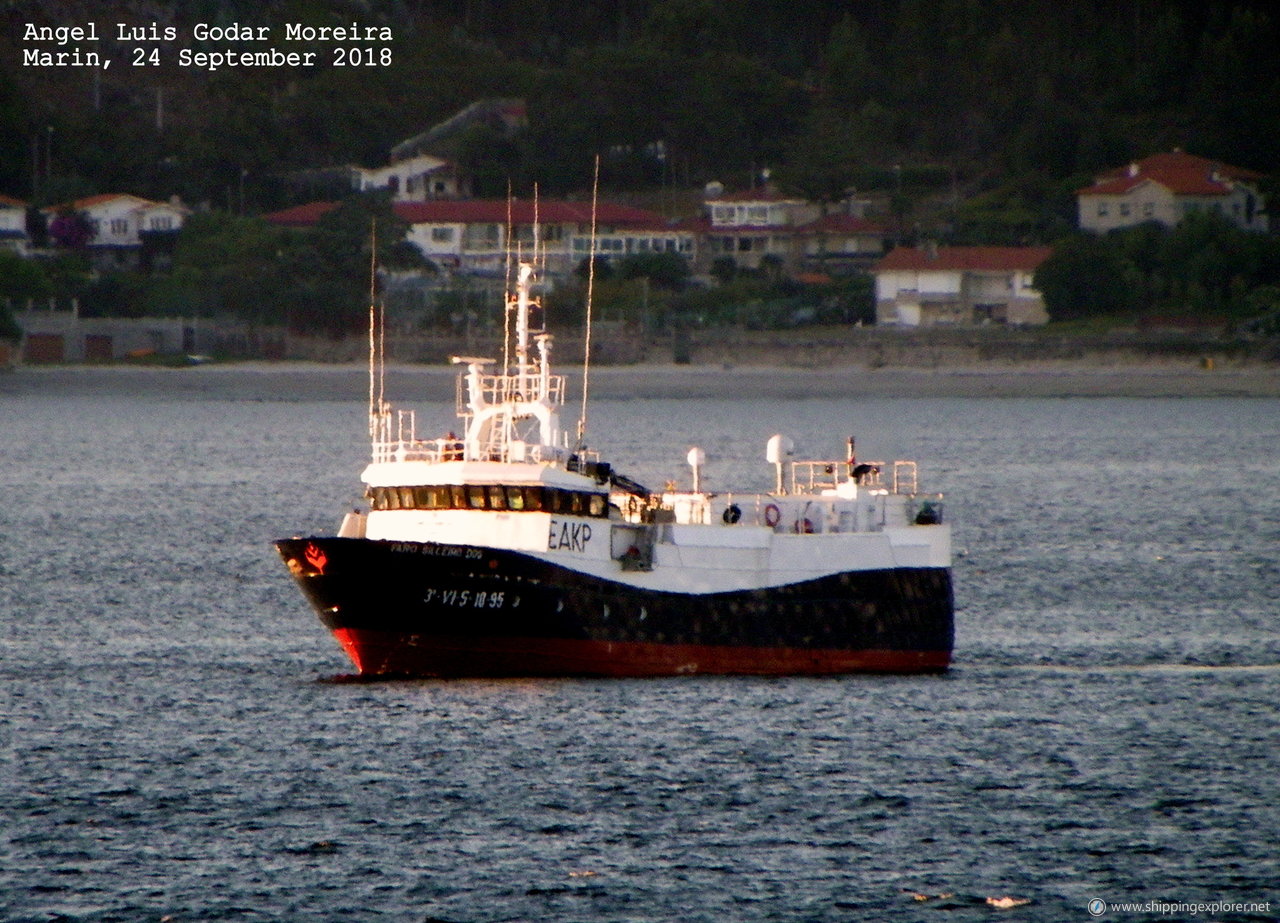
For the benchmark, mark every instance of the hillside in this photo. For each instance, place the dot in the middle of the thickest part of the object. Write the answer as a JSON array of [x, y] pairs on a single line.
[[977, 119]]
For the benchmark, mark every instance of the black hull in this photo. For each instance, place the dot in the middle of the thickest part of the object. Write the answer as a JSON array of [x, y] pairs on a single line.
[[422, 609]]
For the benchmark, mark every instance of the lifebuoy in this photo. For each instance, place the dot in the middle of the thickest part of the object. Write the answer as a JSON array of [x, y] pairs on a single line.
[[772, 515]]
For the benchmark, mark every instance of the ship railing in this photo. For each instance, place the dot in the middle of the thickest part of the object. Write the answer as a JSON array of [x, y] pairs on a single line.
[[905, 477], [815, 476], [396, 440], [512, 389]]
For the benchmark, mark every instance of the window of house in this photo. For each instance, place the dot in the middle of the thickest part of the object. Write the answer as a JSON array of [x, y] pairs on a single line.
[[1124, 209], [1104, 209], [119, 225], [442, 235]]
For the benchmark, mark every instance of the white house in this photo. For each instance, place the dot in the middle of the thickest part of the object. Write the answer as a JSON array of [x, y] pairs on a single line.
[[757, 223], [13, 224], [753, 224], [1166, 188], [414, 179], [935, 286], [121, 223]]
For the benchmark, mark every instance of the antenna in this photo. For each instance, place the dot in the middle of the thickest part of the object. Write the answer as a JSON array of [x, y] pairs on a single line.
[[375, 397], [537, 228], [591, 280], [506, 292]]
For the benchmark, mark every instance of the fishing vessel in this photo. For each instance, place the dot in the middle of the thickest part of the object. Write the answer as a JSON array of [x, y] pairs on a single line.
[[514, 549]]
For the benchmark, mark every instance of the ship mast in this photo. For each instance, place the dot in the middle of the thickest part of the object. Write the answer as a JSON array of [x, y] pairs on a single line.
[[377, 346]]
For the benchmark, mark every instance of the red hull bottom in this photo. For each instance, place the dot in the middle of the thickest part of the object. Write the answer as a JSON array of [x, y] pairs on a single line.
[[379, 653]]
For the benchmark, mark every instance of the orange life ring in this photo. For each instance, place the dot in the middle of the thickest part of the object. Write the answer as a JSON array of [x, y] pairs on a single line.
[[772, 515]]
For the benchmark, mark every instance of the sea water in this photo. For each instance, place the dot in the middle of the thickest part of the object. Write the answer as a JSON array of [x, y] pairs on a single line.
[[174, 747]]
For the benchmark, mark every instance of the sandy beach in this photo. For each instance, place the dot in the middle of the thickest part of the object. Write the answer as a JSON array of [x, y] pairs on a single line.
[[291, 381]]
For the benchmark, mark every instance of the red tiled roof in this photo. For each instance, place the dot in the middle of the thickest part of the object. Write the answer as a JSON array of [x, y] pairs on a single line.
[[696, 224], [1181, 160], [90, 201], [101, 199], [12, 202], [989, 259], [301, 216], [1179, 172], [488, 211]]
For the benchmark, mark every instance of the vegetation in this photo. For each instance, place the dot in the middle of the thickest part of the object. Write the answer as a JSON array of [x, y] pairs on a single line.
[[653, 293], [829, 94], [313, 280], [1205, 267], [975, 122]]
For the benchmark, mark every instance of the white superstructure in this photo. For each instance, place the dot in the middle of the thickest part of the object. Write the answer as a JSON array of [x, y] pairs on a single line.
[[516, 480]]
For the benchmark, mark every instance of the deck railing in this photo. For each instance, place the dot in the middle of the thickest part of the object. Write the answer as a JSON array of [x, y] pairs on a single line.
[[501, 389]]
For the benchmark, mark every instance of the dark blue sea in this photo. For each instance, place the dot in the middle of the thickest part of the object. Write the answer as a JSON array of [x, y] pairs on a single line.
[[173, 746]]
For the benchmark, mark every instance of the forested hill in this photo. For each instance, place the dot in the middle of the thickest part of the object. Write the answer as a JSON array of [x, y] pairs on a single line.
[[1018, 101]]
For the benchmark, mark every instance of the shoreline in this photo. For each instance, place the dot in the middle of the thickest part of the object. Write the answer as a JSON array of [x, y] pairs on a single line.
[[291, 381]]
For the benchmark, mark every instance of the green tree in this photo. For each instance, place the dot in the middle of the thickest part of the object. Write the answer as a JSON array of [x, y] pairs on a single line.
[[231, 265], [665, 270], [22, 279], [1084, 277]]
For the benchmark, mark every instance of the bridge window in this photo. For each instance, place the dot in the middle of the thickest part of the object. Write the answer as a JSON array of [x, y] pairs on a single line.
[[496, 497]]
